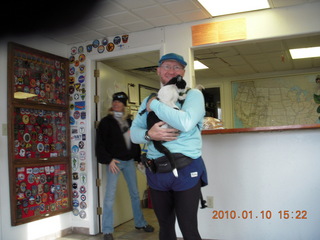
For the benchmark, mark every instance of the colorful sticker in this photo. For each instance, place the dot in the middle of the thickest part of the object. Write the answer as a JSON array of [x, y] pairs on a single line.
[[82, 57], [104, 41], [100, 49], [80, 105], [117, 40], [89, 48], [125, 38], [95, 43], [110, 47], [73, 50]]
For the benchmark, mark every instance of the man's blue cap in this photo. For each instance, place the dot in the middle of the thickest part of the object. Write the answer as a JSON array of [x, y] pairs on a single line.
[[174, 57]]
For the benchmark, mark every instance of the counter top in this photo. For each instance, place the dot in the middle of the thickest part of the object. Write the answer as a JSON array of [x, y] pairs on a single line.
[[261, 129]]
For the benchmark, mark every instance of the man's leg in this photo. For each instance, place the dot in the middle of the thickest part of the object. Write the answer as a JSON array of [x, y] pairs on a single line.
[[187, 205], [162, 202]]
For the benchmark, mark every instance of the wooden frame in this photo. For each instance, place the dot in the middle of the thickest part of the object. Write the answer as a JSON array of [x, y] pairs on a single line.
[[145, 91], [38, 134], [132, 94]]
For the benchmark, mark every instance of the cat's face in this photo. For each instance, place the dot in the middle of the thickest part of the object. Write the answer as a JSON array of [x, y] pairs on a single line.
[[168, 70]]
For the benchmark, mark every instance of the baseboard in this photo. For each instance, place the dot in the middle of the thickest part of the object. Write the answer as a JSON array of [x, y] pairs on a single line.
[[56, 235], [81, 230], [202, 239]]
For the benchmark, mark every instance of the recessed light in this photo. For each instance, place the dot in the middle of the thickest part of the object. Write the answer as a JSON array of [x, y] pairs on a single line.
[[223, 7], [310, 52], [198, 65]]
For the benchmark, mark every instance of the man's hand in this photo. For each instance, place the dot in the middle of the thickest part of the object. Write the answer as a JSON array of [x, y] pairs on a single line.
[[158, 133]]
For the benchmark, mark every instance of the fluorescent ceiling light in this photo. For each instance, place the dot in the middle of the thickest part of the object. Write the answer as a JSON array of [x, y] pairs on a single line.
[[310, 52], [223, 7], [198, 65]]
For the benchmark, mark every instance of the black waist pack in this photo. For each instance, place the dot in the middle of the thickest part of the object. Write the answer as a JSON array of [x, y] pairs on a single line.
[[162, 164]]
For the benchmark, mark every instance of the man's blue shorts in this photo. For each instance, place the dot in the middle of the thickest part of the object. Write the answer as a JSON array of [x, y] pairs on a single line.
[[187, 178]]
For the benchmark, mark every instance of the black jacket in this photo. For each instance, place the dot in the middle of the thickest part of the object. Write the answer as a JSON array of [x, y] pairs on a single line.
[[110, 142]]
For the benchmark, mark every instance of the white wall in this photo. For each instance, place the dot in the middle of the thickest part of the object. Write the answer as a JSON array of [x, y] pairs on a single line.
[[259, 172]]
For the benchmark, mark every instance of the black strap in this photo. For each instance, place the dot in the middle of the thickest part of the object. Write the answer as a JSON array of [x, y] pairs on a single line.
[[150, 96]]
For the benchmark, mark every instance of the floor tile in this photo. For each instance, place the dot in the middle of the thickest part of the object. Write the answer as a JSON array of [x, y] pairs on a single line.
[[125, 231]]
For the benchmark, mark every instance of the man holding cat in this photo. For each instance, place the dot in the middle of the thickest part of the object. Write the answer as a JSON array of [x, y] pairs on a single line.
[[174, 197]]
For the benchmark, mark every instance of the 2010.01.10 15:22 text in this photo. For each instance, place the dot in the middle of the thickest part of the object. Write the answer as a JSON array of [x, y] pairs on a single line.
[[264, 214]]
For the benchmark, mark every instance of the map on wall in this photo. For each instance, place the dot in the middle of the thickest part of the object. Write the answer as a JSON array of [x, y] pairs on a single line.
[[275, 102]]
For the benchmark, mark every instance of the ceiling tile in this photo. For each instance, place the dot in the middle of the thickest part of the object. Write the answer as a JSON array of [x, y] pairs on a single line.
[[250, 48], [302, 63], [111, 31], [97, 23], [123, 18], [243, 69], [165, 1], [263, 67], [69, 39], [193, 15], [180, 6], [225, 51], [151, 12], [153, 57], [163, 21], [275, 56], [206, 74], [215, 63], [236, 60], [316, 62], [270, 46], [129, 4], [136, 26], [284, 3], [226, 72], [256, 58], [89, 35], [108, 7]]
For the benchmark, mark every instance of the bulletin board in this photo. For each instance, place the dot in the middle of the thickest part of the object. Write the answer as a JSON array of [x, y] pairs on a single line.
[[145, 91], [41, 190], [38, 134]]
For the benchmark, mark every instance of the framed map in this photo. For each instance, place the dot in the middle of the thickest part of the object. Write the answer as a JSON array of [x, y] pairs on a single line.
[[276, 101]]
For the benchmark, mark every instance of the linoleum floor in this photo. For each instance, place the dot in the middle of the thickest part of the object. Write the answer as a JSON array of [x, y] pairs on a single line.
[[125, 231]]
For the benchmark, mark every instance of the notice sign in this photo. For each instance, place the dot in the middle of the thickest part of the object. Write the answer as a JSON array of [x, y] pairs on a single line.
[[217, 32]]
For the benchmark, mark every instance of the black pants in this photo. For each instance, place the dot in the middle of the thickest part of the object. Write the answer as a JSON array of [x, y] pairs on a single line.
[[183, 205]]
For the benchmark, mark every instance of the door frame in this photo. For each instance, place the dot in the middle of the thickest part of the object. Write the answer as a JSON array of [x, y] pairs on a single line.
[[92, 91]]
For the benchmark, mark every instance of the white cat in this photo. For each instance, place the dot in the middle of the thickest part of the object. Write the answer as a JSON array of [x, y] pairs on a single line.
[[169, 94], [173, 91]]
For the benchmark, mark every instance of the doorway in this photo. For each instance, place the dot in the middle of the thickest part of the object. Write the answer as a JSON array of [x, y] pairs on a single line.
[[116, 74], [212, 102]]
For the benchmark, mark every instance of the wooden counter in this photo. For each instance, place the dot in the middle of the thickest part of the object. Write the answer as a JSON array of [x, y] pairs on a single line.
[[261, 129]]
